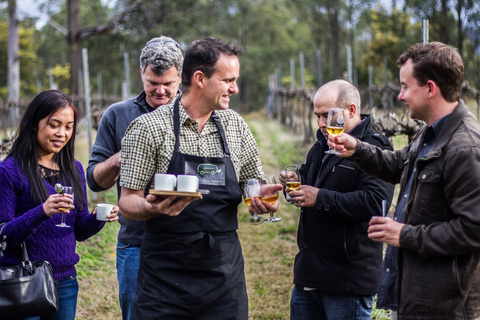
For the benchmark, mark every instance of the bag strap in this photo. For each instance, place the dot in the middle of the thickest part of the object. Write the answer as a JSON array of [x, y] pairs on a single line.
[[26, 263], [3, 243]]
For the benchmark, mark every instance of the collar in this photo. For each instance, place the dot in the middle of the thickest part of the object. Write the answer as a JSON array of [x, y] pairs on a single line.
[[443, 133], [186, 121], [451, 124], [142, 102], [434, 130]]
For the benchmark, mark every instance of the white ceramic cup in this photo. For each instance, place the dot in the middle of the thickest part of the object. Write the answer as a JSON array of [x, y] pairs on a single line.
[[165, 181], [187, 183], [103, 209]]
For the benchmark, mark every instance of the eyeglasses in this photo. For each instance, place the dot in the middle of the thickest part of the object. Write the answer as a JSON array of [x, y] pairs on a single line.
[[166, 43]]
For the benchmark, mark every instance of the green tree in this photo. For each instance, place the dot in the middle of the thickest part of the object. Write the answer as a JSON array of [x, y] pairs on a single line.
[[444, 14], [391, 34]]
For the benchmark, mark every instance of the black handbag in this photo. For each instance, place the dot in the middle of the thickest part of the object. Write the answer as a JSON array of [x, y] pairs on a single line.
[[27, 289]]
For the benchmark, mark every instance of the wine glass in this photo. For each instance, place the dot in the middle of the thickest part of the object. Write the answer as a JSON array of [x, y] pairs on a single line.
[[252, 189], [269, 195], [335, 125], [63, 190], [292, 180]]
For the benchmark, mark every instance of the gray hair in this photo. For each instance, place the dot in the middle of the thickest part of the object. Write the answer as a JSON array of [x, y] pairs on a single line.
[[161, 54]]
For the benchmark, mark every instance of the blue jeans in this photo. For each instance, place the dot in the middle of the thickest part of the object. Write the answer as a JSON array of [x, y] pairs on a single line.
[[128, 262], [319, 305], [67, 293]]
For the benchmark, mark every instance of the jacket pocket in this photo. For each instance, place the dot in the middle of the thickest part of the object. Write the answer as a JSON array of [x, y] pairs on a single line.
[[343, 166], [429, 185]]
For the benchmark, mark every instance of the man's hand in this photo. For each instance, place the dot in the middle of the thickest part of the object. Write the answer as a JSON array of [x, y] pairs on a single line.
[[385, 230], [168, 206], [262, 207], [305, 196], [344, 143], [135, 206], [282, 178]]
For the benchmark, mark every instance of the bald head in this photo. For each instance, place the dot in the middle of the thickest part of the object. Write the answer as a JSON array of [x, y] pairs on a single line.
[[343, 92], [337, 94]]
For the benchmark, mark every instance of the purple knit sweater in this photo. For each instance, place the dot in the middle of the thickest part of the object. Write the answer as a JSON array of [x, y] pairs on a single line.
[[28, 222]]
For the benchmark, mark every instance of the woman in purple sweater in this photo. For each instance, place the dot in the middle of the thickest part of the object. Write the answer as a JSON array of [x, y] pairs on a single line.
[[43, 155]]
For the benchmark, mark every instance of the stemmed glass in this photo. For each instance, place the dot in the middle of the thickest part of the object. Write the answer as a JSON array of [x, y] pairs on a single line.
[[252, 189], [335, 124], [269, 195], [63, 190], [292, 179]]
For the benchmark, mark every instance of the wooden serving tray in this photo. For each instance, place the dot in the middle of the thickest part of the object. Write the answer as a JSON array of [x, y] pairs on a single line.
[[197, 194]]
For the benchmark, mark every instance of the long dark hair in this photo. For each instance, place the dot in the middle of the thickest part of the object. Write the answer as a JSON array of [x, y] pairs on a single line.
[[25, 147]]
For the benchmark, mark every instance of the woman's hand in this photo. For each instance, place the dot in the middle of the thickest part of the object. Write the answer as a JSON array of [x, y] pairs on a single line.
[[56, 201], [112, 216]]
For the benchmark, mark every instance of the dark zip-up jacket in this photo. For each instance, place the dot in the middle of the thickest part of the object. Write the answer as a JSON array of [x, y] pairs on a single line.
[[335, 253], [439, 255]]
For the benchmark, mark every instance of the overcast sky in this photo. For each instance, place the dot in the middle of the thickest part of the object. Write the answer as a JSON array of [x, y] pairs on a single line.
[[30, 8]]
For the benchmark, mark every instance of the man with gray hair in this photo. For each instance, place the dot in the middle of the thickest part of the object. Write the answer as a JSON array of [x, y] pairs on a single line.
[[161, 63]]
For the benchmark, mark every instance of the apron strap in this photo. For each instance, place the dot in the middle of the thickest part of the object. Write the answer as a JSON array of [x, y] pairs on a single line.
[[216, 118], [176, 123], [176, 127]]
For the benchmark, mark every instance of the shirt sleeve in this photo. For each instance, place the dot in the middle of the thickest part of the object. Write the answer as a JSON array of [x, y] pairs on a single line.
[[138, 156], [104, 147]]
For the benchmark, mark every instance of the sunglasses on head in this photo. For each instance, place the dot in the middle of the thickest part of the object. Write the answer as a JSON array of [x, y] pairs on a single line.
[[167, 43]]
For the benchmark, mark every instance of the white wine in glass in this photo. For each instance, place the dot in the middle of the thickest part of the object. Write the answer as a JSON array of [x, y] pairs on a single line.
[[293, 185], [335, 124], [292, 180], [252, 189], [269, 195], [64, 190]]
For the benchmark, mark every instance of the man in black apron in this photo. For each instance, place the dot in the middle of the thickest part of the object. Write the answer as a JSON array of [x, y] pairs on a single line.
[[191, 263]]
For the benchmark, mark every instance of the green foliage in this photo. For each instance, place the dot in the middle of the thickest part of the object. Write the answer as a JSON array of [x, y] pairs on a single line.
[[379, 314], [392, 34], [285, 151], [272, 33], [96, 251]]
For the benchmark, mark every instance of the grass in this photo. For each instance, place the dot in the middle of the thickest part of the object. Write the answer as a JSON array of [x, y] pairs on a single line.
[[98, 293], [269, 249]]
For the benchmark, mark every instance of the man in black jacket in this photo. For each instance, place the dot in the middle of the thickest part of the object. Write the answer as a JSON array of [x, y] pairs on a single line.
[[337, 269]]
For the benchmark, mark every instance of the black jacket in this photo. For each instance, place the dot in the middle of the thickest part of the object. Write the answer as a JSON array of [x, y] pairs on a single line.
[[336, 254]]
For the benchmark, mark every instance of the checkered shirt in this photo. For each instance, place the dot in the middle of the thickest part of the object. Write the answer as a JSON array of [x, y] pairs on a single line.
[[149, 143]]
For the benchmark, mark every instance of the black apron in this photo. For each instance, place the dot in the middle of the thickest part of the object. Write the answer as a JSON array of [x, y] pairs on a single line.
[[191, 265]]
